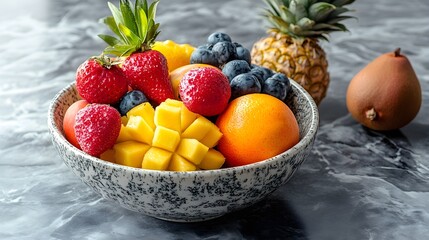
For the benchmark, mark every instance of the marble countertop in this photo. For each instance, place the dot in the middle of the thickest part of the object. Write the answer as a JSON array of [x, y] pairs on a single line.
[[356, 183]]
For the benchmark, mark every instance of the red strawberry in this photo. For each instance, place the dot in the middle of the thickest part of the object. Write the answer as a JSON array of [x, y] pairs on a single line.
[[145, 69], [205, 91], [97, 128], [97, 81], [148, 72]]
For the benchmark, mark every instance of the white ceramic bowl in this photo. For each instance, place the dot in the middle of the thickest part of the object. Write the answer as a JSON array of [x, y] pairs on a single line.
[[186, 196]]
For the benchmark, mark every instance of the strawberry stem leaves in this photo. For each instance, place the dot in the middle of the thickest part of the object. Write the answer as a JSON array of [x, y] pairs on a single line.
[[134, 26]]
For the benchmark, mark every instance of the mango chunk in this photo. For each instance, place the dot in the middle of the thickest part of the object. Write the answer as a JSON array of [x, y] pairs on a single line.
[[198, 129], [168, 116], [212, 160], [156, 159], [192, 150], [212, 137], [108, 155], [124, 134], [166, 139], [124, 120], [169, 137], [173, 102], [187, 117], [130, 153], [140, 130], [144, 110], [178, 163]]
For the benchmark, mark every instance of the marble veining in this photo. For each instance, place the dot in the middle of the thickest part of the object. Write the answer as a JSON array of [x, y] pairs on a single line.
[[356, 183]]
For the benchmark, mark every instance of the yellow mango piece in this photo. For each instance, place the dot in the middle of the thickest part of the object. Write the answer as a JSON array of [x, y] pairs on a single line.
[[176, 54], [212, 160], [130, 153], [168, 116], [166, 139], [156, 159], [144, 110], [108, 155], [178, 163], [212, 137], [187, 117], [140, 130], [192, 150], [124, 120], [198, 129], [173, 102], [124, 134]]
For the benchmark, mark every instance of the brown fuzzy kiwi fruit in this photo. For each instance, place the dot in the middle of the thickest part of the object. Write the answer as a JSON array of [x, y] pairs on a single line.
[[386, 94]]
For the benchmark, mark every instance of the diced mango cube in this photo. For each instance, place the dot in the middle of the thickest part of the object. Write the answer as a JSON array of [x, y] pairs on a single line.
[[108, 155], [144, 110], [198, 129], [139, 129], [192, 150], [213, 160], [212, 137], [156, 159], [130, 153], [124, 134], [173, 102], [166, 139], [178, 163], [124, 120], [168, 116], [187, 117]]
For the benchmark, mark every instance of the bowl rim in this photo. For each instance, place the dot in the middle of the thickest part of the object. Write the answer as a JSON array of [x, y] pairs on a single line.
[[305, 140]]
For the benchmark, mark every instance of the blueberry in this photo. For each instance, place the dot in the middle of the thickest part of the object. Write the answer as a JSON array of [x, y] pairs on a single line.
[[275, 88], [206, 46], [266, 72], [243, 84], [236, 44], [225, 52], [281, 77], [234, 68], [130, 100], [242, 53], [258, 74], [218, 37], [203, 55]]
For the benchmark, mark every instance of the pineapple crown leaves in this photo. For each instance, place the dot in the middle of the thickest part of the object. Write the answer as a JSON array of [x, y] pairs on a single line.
[[133, 25], [307, 18]]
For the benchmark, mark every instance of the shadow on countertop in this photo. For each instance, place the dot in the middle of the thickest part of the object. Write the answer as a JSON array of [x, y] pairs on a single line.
[[271, 218]]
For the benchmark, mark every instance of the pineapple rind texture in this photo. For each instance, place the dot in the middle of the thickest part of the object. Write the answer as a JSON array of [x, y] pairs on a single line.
[[292, 45], [301, 60]]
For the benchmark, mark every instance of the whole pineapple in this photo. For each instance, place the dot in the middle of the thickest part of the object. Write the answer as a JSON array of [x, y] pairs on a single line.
[[292, 45]]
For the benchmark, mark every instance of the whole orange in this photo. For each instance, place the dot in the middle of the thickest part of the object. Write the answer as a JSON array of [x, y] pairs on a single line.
[[256, 127]]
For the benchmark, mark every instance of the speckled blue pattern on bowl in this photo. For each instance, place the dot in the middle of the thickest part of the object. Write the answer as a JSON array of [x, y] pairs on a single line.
[[186, 196]]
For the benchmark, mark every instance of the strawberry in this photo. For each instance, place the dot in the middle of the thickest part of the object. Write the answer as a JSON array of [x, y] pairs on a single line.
[[98, 81], [97, 128], [136, 32], [205, 91], [148, 72]]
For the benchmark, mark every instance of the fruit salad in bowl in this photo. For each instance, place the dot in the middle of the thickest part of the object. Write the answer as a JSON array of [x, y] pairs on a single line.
[[211, 135]]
